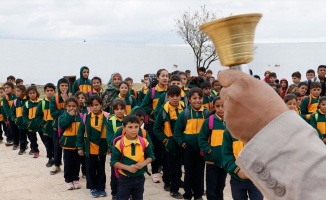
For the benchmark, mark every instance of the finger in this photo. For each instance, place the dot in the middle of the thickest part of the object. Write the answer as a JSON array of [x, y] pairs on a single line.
[[228, 77]]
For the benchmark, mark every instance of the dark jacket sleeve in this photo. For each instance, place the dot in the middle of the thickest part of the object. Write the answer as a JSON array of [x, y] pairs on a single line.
[[65, 120], [203, 137], [159, 126], [179, 128]]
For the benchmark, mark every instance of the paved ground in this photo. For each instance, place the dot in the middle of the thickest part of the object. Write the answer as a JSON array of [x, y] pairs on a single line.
[[23, 177]]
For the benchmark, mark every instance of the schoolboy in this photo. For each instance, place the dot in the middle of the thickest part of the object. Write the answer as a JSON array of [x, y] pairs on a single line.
[[92, 143], [19, 81], [7, 102], [209, 74], [131, 155], [321, 72], [184, 80], [272, 77], [208, 97], [186, 131], [311, 75], [11, 79], [303, 88], [188, 73], [241, 186], [296, 77], [44, 120], [96, 87], [17, 117], [318, 119], [142, 92], [202, 71], [56, 110], [3, 118], [69, 123], [163, 129], [310, 103], [130, 82], [83, 83], [216, 88], [29, 111]]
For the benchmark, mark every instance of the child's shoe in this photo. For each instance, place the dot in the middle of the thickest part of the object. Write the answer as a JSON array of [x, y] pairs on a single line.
[[21, 152], [70, 186], [76, 184], [31, 152], [176, 195], [55, 170], [9, 143], [50, 163], [156, 177], [36, 154], [15, 147], [94, 193], [102, 193]]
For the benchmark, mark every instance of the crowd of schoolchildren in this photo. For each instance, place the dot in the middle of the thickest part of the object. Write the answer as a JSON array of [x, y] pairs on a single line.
[[174, 120]]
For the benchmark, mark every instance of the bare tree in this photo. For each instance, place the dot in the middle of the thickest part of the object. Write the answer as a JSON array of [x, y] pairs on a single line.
[[188, 29]]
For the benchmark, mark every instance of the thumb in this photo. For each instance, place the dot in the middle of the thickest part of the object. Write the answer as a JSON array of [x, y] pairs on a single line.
[[228, 77]]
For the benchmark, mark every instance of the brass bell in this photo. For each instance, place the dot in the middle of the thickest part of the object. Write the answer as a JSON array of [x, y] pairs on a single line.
[[233, 37]]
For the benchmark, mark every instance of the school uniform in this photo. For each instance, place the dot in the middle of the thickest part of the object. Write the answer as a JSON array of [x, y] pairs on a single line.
[[210, 143], [94, 92], [240, 188], [141, 94], [83, 111], [3, 119], [29, 113], [207, 102], [187, 132], [91, 138], [130, 103], [164, 129], [131, 184], [318, 122], [82, 84], [12, 129], [309, 106], [69, 126]]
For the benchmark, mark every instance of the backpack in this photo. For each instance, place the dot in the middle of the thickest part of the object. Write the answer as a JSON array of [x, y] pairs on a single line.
[[142, 142], [207, 113]]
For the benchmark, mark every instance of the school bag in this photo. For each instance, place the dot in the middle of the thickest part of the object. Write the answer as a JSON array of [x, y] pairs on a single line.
[[142, 143], [207, 113]]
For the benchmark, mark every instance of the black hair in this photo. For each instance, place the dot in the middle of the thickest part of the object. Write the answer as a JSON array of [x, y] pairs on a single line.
[[21, 87], [10, 84], [175, 77], [129, 79], [118, 102], [80, 92], [315, 85], [94, 97], [310, 71], [11, 77], [202, 69], [158, 73], [64, 80], [123, 82], [289, 97], [130, 119], [187, 71], [321, 99], [32, 88], [71, 99], [205, 84], [272, 74], [321, 66], [96, 78], [215, 81], [277, 81], [49, 85], [196, 80], [196, 90], [182, 73], [209, 71], [302, 83], [173, 90], [296, 74], [215, 99], [297, 94], [19, 80], [146, 75], [139, 112]]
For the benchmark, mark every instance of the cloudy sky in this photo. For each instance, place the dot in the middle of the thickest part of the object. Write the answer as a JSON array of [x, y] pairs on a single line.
[[151, 22]]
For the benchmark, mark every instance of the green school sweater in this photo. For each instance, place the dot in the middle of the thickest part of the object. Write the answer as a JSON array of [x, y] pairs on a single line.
[[132, 154], [231, 148], [29, 113], [308, 106], [92, 138], [3, 116], [141, 95], [318, 121], [211, 140], [17, 112], [188, 132], [149, 104], [142, 132], [207, 102], [163, 99], [7, 104], [43, 118], [82, 84], [164, 126], [69, 126], [111, 127]]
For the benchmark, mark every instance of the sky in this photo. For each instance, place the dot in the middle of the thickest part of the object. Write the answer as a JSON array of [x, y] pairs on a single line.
[[152, 22]]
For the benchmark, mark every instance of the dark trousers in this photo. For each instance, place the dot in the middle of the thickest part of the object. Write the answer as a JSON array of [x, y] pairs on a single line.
[[83, 165], [48, 143], [215, 182], [23, 133], [14, 131], [33, 139], [174, 168], [57, 150], [241, 189], [157, 149], [3, 128], [131, 186], [71, 165], [95, 172], [113, 183], [194, 165]]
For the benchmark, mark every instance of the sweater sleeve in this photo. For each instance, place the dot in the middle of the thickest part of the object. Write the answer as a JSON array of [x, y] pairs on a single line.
[[6, 108], [179, 128], [25, 115], [39, 121], [304, 108], [313, 123], [147, 103], [140, 97], [203, 137], [159, 126], [13, 113], [134, 102], [227, 153], [55, 112], [65, 120], [160, 104], [109, 134], [80, 144]]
